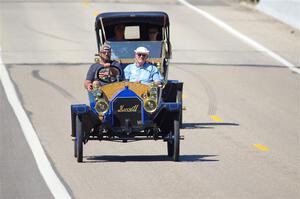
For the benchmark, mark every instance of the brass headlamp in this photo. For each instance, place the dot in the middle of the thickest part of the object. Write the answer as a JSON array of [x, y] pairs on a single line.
[[101, 106], [150, 103]]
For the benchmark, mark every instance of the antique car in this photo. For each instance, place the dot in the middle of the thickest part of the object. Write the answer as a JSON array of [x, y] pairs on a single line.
[[129, 111]]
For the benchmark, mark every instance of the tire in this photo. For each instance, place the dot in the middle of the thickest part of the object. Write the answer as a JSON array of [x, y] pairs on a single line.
[[174, 143], [79, 140], [179, 100], [176, 140], [75, 147], [75, 137], [170, 148]]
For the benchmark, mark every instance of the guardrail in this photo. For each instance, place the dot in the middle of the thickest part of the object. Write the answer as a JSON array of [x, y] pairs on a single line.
[[286, 11]]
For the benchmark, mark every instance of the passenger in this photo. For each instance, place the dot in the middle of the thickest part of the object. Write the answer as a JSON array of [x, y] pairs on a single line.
[[119, 31], [105, 61], [153, 34], [141, 71]]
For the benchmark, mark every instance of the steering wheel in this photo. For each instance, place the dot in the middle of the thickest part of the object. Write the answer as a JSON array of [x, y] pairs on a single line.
[[109, 74]]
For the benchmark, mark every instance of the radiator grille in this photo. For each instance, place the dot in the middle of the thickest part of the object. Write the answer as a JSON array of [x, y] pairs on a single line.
[[127, 109]]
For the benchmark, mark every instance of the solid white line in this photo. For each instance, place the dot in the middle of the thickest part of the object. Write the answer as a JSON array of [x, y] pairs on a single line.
[[55, 185], [242, 37]]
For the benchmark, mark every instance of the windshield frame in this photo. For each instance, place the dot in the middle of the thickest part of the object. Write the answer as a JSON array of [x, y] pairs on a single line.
[[125, 49]]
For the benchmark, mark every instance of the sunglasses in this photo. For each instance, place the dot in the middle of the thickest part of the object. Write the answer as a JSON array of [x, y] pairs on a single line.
[[105, 52], [152, 32], [141, 55]]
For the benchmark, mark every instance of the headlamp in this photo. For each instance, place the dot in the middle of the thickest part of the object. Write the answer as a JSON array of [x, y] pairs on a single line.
[[150, 105], [101, 106]]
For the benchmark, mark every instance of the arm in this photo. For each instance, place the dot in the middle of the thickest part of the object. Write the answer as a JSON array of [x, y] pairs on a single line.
[[88, 85], [156, 76], [127, 73], [88, 82]]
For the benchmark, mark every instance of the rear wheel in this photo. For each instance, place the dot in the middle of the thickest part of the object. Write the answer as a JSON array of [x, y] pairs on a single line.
[[179, 100], [79, 140]]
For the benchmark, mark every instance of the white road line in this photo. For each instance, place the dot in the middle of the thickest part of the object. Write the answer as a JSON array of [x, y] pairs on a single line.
[[55, 185], [242, 37]]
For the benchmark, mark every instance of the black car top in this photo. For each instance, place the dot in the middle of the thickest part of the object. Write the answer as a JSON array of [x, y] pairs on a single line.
[[113, 18]]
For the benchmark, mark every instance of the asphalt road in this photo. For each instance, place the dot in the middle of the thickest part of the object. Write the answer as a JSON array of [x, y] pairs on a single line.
[[19, 175], [236, 98]]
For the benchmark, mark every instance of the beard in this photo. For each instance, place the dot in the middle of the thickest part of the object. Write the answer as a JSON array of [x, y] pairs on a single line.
[[105, 58]]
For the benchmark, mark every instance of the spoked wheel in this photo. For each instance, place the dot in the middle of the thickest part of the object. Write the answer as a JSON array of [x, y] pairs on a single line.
[[78, 149], [174, 143], [179, 100]]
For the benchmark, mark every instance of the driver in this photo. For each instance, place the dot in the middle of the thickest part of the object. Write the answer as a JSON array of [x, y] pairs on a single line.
[[142, 71], [106, 71]]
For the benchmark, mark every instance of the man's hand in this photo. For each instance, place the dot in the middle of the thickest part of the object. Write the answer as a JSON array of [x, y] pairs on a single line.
[[158, 83], [90, 87]]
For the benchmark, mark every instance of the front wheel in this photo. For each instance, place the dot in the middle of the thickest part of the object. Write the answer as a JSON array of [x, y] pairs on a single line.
[[170, 148], [79, 140], [75, 147], [174, 142], [74, 134]]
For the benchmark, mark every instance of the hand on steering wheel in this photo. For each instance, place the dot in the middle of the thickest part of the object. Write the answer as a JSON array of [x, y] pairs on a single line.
[[109, 74]]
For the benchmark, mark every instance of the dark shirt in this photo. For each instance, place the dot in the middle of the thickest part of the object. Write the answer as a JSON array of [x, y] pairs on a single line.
[[92, 72]]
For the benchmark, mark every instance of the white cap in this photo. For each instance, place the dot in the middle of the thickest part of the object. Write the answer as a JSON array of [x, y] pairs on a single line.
[[142, 49]]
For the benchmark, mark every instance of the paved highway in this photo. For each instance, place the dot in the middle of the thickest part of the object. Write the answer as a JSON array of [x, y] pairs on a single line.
[[241, 126]]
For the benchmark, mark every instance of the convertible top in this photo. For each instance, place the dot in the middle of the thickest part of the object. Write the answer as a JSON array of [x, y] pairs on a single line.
[[113, 18]]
